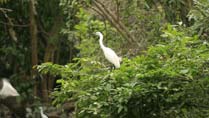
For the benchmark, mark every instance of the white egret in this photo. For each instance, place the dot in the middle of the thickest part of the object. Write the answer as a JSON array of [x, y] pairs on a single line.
[[109, 54], [6, 89], [42, 113]]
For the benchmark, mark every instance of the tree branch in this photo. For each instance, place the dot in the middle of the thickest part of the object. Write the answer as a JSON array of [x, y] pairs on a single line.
[[10, 25], [113, 20], [15, 25], [108, 17]]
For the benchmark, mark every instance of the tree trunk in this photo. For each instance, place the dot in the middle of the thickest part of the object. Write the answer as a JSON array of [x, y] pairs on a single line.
[[51, 48], [34, 40], [48, 57]]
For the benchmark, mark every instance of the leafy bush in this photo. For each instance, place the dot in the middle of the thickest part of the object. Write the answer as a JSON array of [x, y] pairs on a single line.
[[169, 81]]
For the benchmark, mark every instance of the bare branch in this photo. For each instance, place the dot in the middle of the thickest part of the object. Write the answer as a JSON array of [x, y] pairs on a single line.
[[10, 25], [117, 10], [113, 20], [15, 25]]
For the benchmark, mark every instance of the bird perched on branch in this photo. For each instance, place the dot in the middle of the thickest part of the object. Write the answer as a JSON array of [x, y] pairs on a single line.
[[6, 89], [109, 54]]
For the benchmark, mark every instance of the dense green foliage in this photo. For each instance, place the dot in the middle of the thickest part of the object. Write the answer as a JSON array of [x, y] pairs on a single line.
[[170, 80], [200, 15], [164, 45]]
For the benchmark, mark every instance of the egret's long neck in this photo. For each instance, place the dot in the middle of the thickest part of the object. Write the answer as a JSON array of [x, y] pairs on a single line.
[[100, 41], [41, 111]]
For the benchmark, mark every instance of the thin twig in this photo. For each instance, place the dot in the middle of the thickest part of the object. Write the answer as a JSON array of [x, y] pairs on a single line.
[[117, 9], [119, 23], [15, 25], [5, 10]]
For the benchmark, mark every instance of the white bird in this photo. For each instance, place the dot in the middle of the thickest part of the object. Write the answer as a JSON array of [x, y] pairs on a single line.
[[42, 113], [109, 54], [6, 89]]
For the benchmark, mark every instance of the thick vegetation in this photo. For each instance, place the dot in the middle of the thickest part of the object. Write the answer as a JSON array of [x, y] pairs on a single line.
[[170, 80], [164, 45]]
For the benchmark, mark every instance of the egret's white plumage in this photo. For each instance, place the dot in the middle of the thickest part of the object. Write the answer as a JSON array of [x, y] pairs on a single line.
[[42, 113], [7, 89], [109, 54]]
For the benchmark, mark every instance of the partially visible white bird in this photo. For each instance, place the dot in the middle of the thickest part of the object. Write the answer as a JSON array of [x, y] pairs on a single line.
[[109, 54], [42, 113], [6, 89]]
